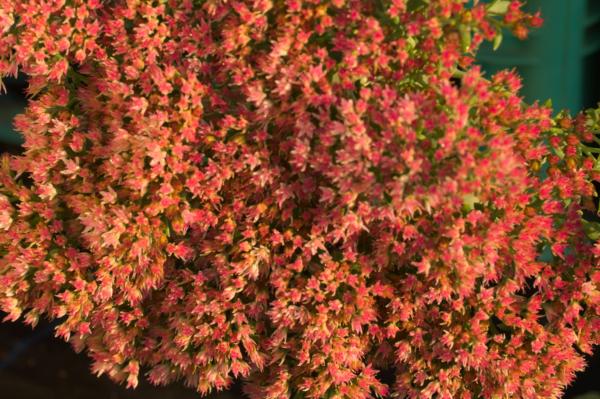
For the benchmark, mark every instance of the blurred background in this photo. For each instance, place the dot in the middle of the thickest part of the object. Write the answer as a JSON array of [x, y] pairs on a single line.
[[560, 61]]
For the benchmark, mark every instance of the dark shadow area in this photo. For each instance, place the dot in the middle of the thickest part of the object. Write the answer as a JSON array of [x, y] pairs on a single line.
[[587, 380], [35, 365], [592, 78], [11, 103]]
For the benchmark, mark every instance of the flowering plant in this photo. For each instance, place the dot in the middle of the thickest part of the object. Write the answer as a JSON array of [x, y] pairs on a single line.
[[300, 193]]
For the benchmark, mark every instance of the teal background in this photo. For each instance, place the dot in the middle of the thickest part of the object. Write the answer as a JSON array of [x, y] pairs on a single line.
[[559, 61]]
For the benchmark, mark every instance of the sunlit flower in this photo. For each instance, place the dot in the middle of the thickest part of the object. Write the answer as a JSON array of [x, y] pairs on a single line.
[[299, 194]]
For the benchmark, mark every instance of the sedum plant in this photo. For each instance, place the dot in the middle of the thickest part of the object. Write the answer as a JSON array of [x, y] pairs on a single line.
[[299, 193]]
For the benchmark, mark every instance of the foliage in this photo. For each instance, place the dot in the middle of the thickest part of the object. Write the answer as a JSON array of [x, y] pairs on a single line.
[[297, 193]]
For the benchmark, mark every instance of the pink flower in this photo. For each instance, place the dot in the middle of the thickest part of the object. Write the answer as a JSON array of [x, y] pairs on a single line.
[[298, 195], [5, 213]]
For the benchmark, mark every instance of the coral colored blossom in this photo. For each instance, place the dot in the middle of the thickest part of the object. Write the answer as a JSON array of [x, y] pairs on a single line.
[[301, 194]]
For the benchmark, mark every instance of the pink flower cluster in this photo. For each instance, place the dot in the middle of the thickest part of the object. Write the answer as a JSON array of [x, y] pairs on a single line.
[[297, 193]]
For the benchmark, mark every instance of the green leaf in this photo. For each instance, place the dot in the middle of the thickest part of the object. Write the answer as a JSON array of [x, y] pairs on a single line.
[[592, 230], [414, 5], [469, 201], [497, 41], [465, 36], [499, 7]]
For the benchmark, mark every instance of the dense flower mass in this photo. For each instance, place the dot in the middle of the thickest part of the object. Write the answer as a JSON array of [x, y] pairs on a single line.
[[300, 193]]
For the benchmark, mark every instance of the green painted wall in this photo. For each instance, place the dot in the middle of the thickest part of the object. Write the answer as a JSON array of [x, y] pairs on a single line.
[[560, 60]]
